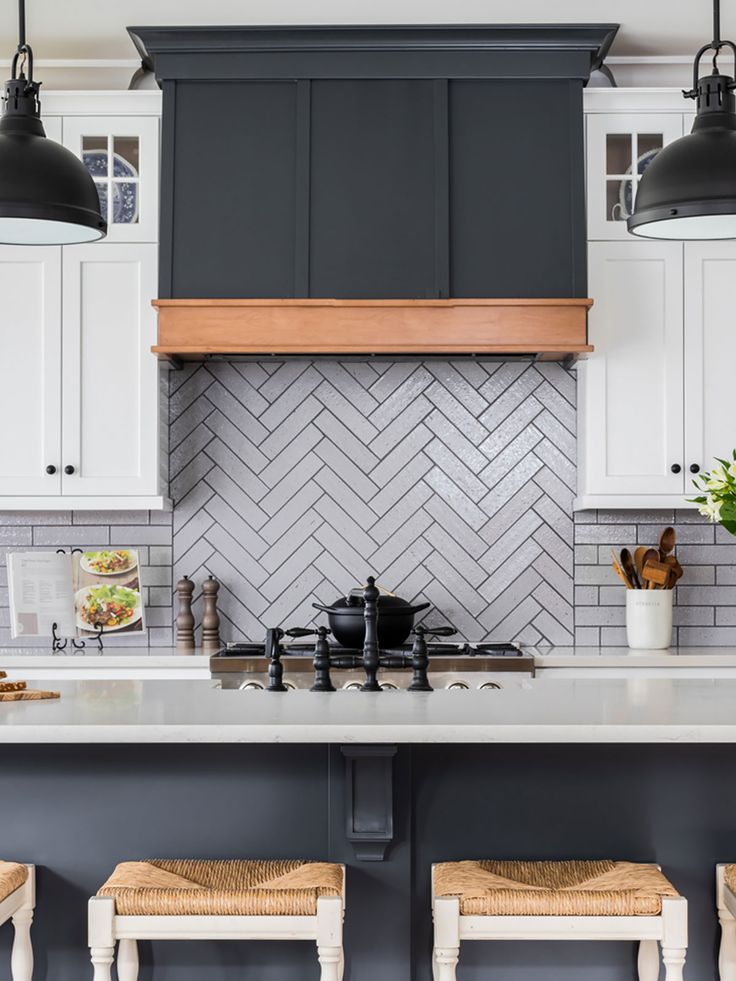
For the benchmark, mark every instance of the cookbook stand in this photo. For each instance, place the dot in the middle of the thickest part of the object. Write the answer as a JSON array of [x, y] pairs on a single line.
[[57, 644]]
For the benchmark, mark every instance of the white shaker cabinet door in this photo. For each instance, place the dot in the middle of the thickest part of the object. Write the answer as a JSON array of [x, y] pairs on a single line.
[[631, 388], [710, 354], [110, 398], [30, 370]]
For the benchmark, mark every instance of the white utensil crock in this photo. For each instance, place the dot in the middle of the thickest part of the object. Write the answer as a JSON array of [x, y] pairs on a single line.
[[649, 619]]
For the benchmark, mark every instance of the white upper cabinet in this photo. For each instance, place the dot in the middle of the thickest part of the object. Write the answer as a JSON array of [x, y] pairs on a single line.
[[620, 147], [121, 154], [631, 389], [710, 353], [110, 396], [653, 397], [79, 385], [30, 370]]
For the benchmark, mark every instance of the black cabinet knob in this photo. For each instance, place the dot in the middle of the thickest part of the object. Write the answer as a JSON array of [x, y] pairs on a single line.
[[69, 469], [50, 469], [675, 468], [694, 468]]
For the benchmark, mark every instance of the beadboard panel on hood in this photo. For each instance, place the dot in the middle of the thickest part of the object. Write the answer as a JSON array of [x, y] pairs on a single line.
[[450, 481]]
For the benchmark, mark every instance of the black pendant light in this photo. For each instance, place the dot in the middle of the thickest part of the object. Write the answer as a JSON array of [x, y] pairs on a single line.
[[47, 196], [689, 189]]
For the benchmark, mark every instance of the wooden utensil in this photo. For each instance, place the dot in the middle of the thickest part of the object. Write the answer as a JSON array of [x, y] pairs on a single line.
[[676, 570], [639, 556], [619, 571], [627, 564], [656, 574], [667, 541]]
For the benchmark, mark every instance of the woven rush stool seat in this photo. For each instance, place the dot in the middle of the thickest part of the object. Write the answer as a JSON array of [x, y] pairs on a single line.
[[601, 888], [236, 899], [224, 888], [12, 877], [562, 900], [726, 906], [17, 900]]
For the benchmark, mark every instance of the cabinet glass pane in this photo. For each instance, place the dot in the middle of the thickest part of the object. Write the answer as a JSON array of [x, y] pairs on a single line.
[[124, 202], [618, 153], [95, 156], [648, 142], [127, 151], [618, 200]]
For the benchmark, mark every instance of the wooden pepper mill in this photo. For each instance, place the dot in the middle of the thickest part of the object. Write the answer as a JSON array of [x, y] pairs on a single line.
[[185, 617], [210, 618]]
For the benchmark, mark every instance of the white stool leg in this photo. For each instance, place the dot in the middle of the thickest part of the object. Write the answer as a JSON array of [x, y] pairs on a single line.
[[727, 951], [127, 960], [674, 936], [341, 967], [648, 962], [446, 952], [101, 917], [674, 962], [21, 957], [329, 937], [329, 959]]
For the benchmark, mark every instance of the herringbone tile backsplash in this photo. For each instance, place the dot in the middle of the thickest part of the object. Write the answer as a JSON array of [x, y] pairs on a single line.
[[451, 482]]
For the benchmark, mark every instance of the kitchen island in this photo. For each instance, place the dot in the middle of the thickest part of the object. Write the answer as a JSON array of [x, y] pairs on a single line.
[[635, 767]]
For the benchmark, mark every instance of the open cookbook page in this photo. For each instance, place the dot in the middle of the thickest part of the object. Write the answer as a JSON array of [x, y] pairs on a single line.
[[107, 592], [41, 594]]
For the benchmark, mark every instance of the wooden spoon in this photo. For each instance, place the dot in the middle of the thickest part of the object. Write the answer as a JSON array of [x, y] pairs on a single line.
[[639, 560], [666, 543], [676, 570], [627, 563], [619, 571]]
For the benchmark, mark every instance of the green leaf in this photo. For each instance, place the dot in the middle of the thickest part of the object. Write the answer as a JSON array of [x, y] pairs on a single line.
[[730, 527]]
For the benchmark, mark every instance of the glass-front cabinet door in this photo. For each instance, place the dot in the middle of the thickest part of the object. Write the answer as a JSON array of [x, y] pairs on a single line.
[[620, 148], [121, 154]]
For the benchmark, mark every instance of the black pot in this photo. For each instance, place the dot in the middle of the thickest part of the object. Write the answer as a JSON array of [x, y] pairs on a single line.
[[347, 619]]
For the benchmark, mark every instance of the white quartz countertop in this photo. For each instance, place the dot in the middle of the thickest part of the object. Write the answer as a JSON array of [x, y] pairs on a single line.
[[561, 710]]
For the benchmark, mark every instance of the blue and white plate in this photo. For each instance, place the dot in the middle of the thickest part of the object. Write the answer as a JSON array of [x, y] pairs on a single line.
[[625, 188], [124, 195]]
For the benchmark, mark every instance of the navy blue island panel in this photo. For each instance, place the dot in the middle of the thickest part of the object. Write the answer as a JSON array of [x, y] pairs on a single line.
[[77, 810]]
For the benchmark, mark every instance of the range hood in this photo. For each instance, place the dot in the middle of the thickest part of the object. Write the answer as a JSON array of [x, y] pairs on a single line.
[[195, 329]]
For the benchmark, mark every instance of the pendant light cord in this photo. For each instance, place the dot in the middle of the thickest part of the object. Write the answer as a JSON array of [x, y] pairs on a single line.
[[22, 24]]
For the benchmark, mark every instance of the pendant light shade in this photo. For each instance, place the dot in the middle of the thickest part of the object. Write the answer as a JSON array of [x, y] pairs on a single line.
[[47, 196], [689, 189]]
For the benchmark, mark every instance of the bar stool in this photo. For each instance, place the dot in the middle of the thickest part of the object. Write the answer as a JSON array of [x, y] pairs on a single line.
[[558, 901], [217, 900], [726, 904], [17, 900]]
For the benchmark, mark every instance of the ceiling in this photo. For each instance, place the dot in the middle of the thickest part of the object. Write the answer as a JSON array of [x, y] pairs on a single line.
[[94, 29]]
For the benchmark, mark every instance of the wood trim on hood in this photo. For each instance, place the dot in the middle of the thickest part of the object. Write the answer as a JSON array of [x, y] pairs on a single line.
[[549, 328]]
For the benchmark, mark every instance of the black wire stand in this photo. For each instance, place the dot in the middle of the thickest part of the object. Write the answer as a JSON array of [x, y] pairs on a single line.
[[57, 644]]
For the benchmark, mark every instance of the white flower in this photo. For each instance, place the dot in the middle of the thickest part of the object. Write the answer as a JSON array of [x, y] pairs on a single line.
[[732, 469], [711, 509]]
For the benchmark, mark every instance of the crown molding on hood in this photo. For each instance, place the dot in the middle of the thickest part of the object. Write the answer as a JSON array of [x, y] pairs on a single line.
[[195, 329]]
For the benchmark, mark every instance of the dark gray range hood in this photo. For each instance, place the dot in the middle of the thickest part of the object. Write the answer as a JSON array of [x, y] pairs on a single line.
[[373, 190]]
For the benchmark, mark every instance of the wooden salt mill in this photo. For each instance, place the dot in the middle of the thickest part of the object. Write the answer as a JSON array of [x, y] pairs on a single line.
[[210, 618], [185, 617]]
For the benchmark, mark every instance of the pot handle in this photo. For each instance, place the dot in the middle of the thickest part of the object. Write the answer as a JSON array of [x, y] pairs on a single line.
[[419, 607], [324, 609]]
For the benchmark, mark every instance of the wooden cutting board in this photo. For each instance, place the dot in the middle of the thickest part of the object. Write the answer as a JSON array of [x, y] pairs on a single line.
[[30, 694]]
